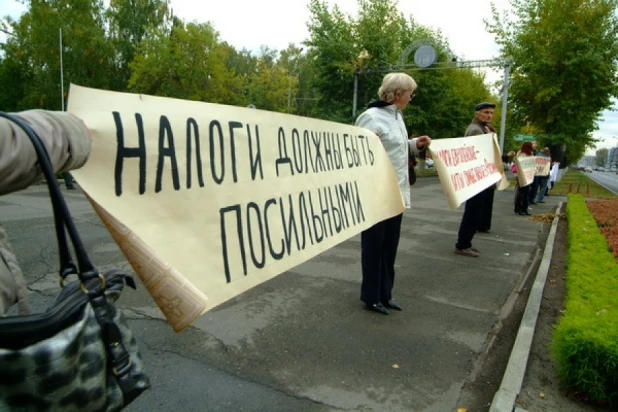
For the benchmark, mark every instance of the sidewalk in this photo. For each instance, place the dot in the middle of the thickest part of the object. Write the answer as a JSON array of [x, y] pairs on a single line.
[[303, 340], [306, 334]]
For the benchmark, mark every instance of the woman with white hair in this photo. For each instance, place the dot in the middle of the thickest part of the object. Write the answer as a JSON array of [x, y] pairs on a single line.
[[379, 243]]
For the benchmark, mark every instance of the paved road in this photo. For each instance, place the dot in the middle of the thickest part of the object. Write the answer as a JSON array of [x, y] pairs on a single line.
[[609, 180], [302, 341]]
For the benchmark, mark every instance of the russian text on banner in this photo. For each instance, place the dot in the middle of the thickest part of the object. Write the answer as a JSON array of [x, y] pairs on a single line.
[[207, 201], [542, 164], [526, 169], [467, 166]]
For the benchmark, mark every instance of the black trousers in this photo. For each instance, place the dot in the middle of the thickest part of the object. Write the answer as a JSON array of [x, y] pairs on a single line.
[[521, 199], [533, 189], [484, 224], [477, 216], [378, 252], [68, 180]]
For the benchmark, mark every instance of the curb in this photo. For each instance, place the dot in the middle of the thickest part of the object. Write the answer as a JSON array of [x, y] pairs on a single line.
[[505, 398]]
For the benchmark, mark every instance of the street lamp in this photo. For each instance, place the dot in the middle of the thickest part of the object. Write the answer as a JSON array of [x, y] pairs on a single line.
[[294, 70], [61, 67]]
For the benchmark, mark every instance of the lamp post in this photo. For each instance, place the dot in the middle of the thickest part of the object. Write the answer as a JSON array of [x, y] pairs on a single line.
[[290, 92], [61, 65], [294, 70], [61, 72]]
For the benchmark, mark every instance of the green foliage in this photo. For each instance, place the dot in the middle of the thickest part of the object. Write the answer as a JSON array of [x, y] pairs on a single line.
[[138, 46], [365, 48], [11, 73], [271, 85], [585, 341], [34, 50], [332, 42], [565, 64], [601, 157], [186, 62], [129, 21]]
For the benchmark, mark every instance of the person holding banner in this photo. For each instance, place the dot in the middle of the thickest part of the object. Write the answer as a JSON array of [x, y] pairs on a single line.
[[553, 176], [68, 143], [478, 210], [523, 191], [543, 170], [379, 243], [534, 187]]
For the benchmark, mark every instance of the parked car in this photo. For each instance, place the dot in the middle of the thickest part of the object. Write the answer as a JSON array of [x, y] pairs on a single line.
[[588, 169]]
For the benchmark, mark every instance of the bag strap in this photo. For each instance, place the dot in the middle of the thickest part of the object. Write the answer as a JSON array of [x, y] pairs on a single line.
[[67, 267], [119, 359], [62, 216]]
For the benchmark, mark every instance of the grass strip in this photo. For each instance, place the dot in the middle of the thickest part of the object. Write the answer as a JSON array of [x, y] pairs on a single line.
[[575, 180], [585, 341]]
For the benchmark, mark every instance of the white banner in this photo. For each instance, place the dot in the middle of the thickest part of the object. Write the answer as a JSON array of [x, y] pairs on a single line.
[[467, 166], [542, 164], [526, 168], [207, 201]]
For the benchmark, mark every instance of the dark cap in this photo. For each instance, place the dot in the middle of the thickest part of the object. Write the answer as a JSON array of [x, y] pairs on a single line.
[[484, 105]]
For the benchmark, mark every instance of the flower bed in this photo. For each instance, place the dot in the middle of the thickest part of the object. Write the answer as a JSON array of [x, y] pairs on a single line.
[[605, 212]]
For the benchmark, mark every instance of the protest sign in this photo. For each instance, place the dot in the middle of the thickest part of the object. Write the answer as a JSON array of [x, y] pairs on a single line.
[[526, 168], [207, 201], [467, 166], [542, 165]]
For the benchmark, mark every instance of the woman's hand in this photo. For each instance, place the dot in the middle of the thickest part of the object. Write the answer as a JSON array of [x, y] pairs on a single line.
[[423, 142]]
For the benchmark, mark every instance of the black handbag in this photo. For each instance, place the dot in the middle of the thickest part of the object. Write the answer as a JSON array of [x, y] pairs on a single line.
[[79, 355]]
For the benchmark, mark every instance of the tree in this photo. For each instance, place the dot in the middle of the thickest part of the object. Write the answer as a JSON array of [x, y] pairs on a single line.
[[270, 84], [11, 73], [34, 50], [186, 62], [365, 48], [332, 45], [566, 55], [128, 22], [601, 157]]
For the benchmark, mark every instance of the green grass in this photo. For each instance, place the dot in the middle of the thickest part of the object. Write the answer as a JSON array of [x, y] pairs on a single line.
[[427, 172], [585, 341], [575, 180]]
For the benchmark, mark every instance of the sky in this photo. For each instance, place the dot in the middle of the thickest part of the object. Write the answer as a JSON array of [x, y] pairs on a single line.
[[277, 23]]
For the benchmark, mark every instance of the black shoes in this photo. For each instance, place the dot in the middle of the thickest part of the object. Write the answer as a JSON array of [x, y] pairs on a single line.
[[377, 307], [391, 304]]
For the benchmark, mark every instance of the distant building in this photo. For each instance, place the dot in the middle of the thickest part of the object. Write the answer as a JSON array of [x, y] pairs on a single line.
[[612, 157]]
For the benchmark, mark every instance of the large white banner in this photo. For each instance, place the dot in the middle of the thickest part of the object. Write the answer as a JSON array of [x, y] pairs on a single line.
[[467, 166], [207, 201]]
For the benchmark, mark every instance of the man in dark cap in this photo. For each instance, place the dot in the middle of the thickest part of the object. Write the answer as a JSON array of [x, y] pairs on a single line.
[[477, 214]]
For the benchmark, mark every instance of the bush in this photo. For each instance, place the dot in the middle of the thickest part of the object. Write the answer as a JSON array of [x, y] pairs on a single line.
[[585, 341]]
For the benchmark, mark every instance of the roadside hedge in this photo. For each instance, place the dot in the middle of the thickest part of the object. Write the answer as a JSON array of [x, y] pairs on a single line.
[[585, 341]]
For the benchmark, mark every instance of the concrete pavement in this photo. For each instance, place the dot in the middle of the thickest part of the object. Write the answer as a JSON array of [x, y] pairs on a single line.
[[303, 341]]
